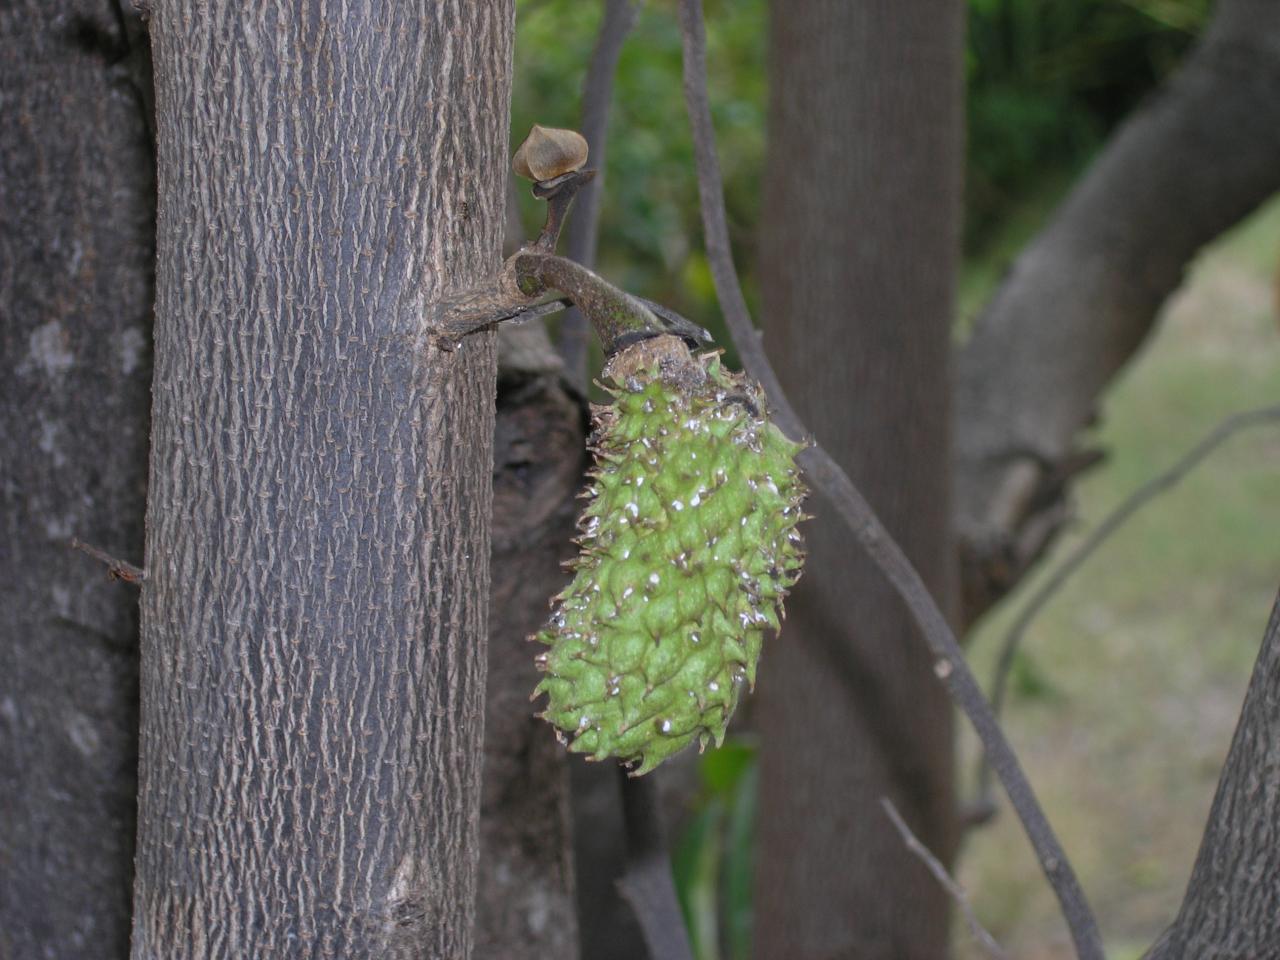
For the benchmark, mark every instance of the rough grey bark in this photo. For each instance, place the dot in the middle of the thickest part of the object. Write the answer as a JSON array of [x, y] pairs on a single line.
[[858, 259], [1201, 154], [314, 622], [76, 252], [1232, 905], [525, 906]]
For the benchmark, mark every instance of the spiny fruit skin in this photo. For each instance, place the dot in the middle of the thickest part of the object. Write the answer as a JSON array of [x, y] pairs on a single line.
[[688, 547]]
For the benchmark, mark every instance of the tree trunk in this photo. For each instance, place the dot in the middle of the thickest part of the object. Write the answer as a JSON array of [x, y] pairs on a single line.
[[858, 259], [76, 234], [525, 906], [314, 619], [1078, 302], [1232, 906]]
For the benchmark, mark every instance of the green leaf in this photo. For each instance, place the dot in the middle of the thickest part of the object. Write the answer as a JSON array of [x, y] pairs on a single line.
[[739, 864], [723, 769], [696, 866]]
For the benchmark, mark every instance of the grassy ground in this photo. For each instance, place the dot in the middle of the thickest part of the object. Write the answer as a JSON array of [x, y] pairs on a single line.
[[1131, 681]]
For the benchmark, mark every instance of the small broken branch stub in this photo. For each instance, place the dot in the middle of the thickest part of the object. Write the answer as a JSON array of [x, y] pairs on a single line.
[[117, 569]]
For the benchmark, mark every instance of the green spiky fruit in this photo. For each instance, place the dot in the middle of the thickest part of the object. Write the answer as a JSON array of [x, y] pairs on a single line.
[[689, 546]]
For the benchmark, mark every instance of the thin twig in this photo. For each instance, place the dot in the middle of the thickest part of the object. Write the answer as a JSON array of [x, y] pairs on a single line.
[[985, 939], [597, 93], [1112, 522], [117, 569], [646, 882], [827, 476]]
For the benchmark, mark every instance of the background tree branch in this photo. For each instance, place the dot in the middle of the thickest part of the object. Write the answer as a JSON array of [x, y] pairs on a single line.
[[1077, 303]]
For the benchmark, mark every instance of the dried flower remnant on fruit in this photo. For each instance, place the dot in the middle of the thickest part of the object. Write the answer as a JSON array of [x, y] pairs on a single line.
[[549, 152], [688, 547]]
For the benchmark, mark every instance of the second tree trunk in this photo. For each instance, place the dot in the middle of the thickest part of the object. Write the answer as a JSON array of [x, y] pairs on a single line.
[[858, 258]]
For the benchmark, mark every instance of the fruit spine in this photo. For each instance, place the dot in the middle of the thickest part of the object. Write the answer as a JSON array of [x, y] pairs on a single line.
[[688, 547]]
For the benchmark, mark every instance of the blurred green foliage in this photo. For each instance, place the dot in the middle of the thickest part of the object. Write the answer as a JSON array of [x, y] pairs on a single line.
[[714, 858], [1047, 81]]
